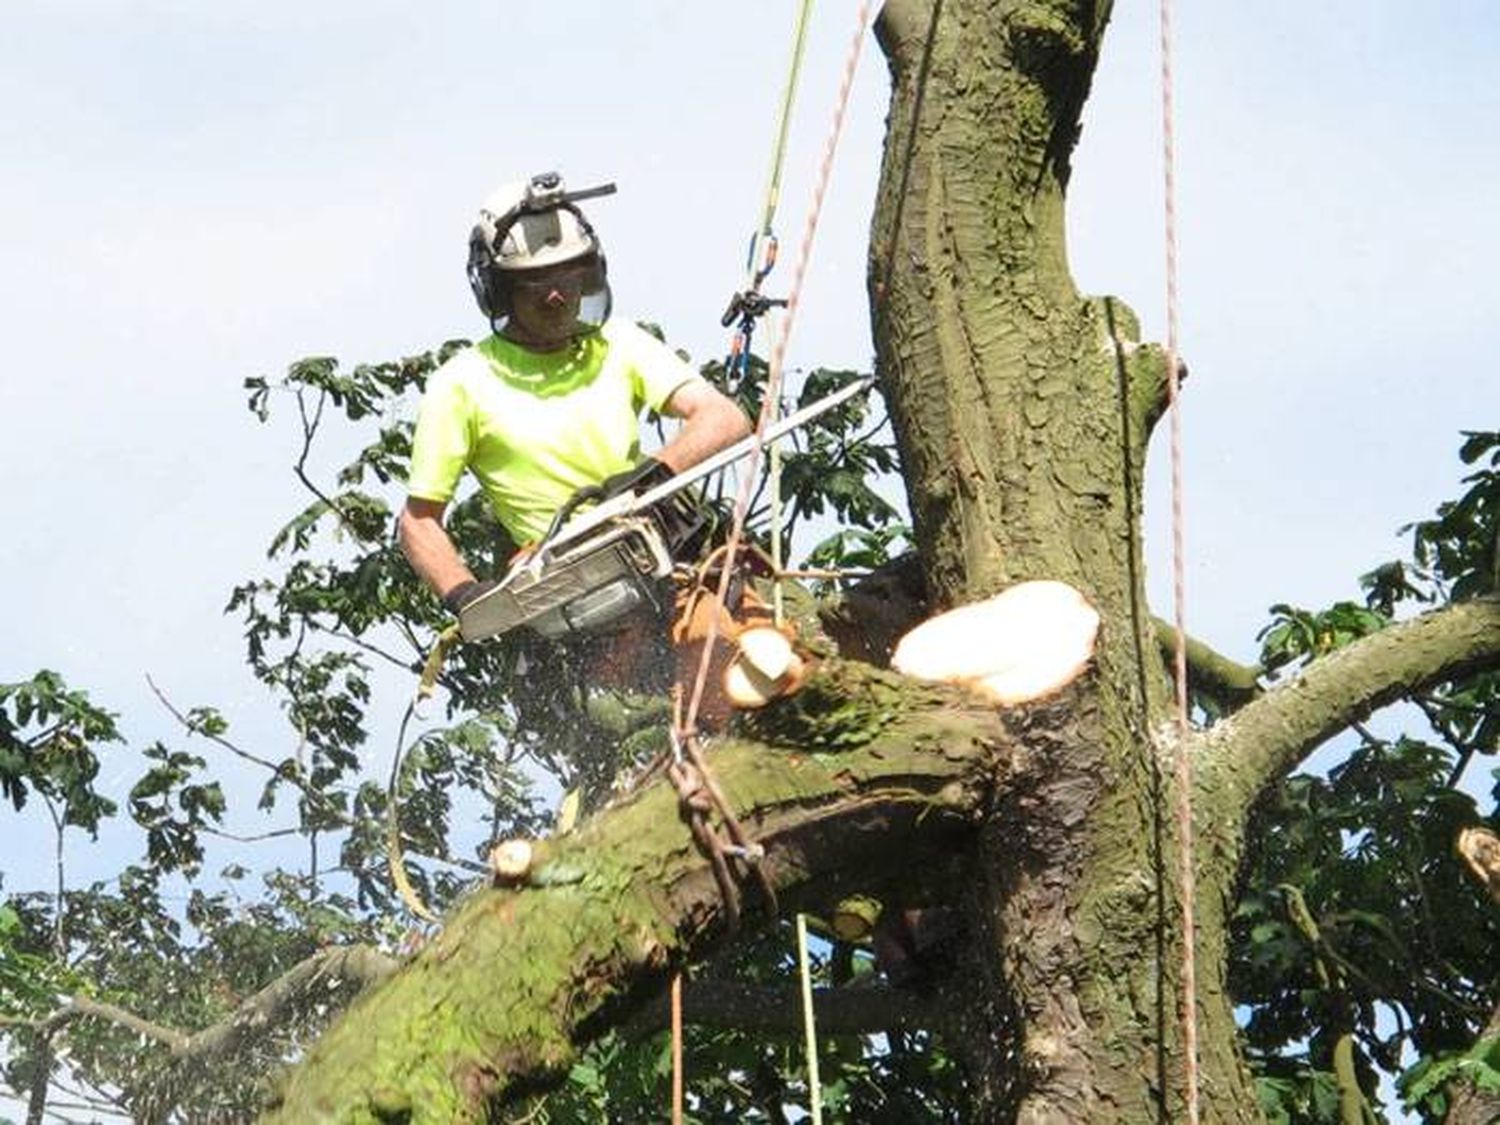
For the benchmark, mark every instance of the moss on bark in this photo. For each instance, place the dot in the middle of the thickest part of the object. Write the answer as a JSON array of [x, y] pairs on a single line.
[[861, 762]]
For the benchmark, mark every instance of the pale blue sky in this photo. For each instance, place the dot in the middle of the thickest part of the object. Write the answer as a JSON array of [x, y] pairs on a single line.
[[198, 193]]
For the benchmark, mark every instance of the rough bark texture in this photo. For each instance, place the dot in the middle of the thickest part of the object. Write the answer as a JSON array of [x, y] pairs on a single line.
[[1270, 736], [1022, 411]]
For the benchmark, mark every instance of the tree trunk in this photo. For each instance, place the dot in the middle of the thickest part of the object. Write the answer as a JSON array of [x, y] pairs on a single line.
[[1022, 413]]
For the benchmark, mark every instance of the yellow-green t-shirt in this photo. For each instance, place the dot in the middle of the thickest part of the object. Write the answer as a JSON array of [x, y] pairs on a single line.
[[533, 427]]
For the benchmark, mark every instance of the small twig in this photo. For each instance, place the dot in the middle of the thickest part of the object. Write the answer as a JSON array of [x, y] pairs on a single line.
[[309, 430], [873, 430], [373, 650], [1463, 751], [256, 839], [1452, 705], [316, 797], [218, 739]]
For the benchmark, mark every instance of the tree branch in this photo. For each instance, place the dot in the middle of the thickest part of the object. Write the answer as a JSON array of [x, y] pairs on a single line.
[[861, 777], [1209, 671], [868, 618], [358, 965], [315, 797], [1469, 1104], [1270, 736], [898, 26]]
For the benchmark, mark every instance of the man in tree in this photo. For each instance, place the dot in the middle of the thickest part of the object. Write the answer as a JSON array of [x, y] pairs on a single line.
[[550, 403]]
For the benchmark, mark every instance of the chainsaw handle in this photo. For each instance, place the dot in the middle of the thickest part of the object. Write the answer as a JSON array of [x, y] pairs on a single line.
[[589, 493]]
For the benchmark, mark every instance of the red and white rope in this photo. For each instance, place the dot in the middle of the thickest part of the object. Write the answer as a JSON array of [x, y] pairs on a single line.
[[778, 358], [1184, 772]]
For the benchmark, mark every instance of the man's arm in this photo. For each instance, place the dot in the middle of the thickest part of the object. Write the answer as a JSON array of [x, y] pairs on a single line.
[[426, 545], [710, 422]]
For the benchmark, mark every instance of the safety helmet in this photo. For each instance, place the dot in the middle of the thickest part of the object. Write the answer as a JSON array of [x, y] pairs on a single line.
[[531, 225]]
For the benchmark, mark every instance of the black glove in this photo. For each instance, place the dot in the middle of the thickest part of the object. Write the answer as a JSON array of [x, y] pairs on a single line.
[[641, 477], [464, 593]]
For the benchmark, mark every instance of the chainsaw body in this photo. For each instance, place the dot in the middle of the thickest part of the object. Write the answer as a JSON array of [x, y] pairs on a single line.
[[594, 569], [582, 587]]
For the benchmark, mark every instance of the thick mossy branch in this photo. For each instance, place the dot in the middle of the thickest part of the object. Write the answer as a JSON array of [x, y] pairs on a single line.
[[847, 778], [1209, 671], [1271, 735]]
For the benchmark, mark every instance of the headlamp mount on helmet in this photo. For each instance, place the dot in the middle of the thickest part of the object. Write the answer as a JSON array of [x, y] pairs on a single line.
[[545, 191], [531, 226]]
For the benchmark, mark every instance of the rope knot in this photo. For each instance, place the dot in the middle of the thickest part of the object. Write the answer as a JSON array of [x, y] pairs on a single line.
[[691, 790]]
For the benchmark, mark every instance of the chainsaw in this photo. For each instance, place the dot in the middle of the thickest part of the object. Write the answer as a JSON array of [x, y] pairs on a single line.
[[593, 569]]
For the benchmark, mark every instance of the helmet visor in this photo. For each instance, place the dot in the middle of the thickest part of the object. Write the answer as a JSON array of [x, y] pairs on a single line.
[[559, 283], [556, 302]]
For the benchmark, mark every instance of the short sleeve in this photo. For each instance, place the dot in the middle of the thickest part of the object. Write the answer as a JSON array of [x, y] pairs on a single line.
[[443, 439], [656, 370]]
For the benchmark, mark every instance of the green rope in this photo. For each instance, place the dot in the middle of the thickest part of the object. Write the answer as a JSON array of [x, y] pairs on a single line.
[[778, 150], [814, 1086], [768, 216]]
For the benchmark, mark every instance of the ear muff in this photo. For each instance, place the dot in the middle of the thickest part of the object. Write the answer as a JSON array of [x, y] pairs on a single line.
[[484, 278]]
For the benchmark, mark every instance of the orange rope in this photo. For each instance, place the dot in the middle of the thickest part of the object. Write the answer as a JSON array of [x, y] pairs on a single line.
[[1187, 875], [778, 356]]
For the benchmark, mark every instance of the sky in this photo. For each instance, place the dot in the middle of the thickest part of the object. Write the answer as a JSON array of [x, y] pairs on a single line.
[[199, 193]]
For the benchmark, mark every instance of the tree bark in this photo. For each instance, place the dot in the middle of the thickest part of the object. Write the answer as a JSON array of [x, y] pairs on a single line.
[[1022, 411], [1271, 735], [1470, 1104]]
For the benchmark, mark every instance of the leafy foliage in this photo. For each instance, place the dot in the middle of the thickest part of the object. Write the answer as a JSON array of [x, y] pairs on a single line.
[[1297, 635], [886, 1078], [1455, 552], [1428, 1082], [1397, 945], [47, 739]]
